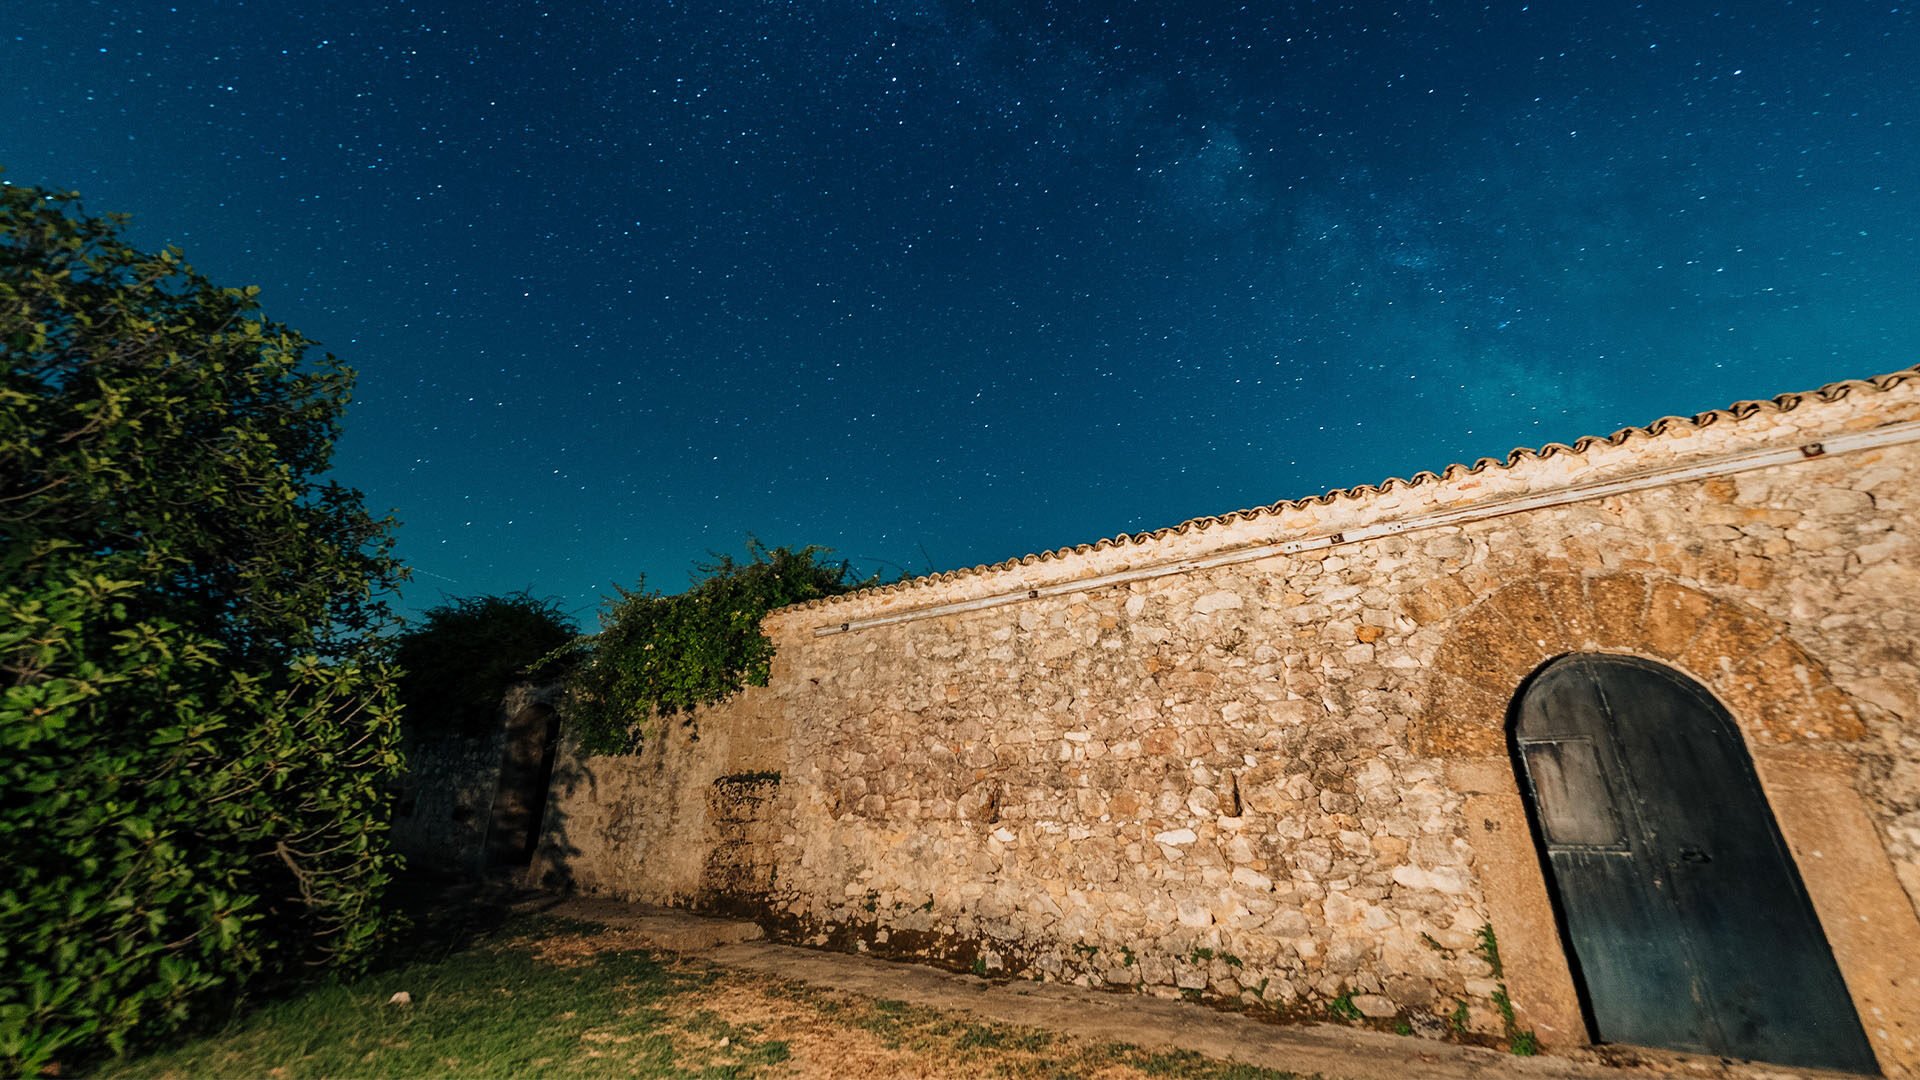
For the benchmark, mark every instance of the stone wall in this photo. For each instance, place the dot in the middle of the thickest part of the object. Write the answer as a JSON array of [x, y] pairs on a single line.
[[1262, 758], [445, 799], [445, 806]]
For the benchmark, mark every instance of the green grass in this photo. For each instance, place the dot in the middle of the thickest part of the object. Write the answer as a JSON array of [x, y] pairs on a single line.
[[1003, 1037], [492, 1010], [535, 997]]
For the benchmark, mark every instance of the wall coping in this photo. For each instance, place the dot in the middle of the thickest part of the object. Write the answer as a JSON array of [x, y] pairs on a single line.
[[1668, 445]]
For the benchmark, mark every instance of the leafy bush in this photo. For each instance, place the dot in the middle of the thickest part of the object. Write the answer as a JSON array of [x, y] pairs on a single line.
[[459, 661], [194, 735], [658, 655]]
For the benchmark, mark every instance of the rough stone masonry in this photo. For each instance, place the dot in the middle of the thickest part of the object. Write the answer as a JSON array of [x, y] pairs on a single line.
[[1262, 758]]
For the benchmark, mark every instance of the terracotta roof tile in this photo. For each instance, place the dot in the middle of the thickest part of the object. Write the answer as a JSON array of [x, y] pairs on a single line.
[[1738, 411]]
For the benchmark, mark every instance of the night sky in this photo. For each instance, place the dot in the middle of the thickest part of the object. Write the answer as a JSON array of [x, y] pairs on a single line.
[[942, 284]]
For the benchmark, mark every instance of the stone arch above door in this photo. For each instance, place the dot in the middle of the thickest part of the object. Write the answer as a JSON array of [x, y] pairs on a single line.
[[1803, 732], [1778, 694]]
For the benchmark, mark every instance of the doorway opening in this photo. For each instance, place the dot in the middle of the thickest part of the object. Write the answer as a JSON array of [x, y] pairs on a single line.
[[520, 798], [1687, 920]]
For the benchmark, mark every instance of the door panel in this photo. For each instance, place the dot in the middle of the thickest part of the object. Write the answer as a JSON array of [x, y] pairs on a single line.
[[1642, 989], [1575, 808], [1689, 925]]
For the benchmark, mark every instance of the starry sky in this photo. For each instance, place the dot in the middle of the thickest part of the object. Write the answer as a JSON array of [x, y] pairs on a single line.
[[938, 284]]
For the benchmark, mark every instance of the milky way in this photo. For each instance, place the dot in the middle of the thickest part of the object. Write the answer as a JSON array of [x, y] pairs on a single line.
[[942, 284]]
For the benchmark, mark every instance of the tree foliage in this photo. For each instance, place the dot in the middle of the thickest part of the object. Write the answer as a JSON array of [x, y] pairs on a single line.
[[194, 735], [456, 665], [658, 655]]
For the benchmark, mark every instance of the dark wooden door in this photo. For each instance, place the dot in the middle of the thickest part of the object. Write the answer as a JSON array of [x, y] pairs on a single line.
[[1689, 925]]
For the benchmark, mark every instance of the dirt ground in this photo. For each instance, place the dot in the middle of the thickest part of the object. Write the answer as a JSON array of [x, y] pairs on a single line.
[[851, 1016], [833, 1034]]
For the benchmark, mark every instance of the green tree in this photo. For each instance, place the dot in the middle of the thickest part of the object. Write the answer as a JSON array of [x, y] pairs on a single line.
[[658, 655], [458, 662], [195, 732]]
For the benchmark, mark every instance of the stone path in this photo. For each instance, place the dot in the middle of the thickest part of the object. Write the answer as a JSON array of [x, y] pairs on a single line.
[[1330, 1050]]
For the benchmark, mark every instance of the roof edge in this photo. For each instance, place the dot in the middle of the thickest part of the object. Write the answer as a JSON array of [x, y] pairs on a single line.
[[1657, 429]]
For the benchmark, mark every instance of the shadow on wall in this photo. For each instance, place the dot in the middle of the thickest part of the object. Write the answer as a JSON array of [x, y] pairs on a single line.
[[737, 877], [660, 820], [555, 852]]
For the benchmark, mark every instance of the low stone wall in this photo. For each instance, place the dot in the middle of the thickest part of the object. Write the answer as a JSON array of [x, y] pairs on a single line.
[[445, 799], [1262, 759], [445, 805]]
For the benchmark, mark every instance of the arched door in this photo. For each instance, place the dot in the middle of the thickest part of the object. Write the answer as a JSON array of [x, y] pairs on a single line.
[[1689, 925]]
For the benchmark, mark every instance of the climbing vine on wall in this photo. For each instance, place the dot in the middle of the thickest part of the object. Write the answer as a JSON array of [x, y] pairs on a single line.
[[658, 655]]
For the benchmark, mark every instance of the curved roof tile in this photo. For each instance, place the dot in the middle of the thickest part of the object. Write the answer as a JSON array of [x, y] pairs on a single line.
[[1736, 412]]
